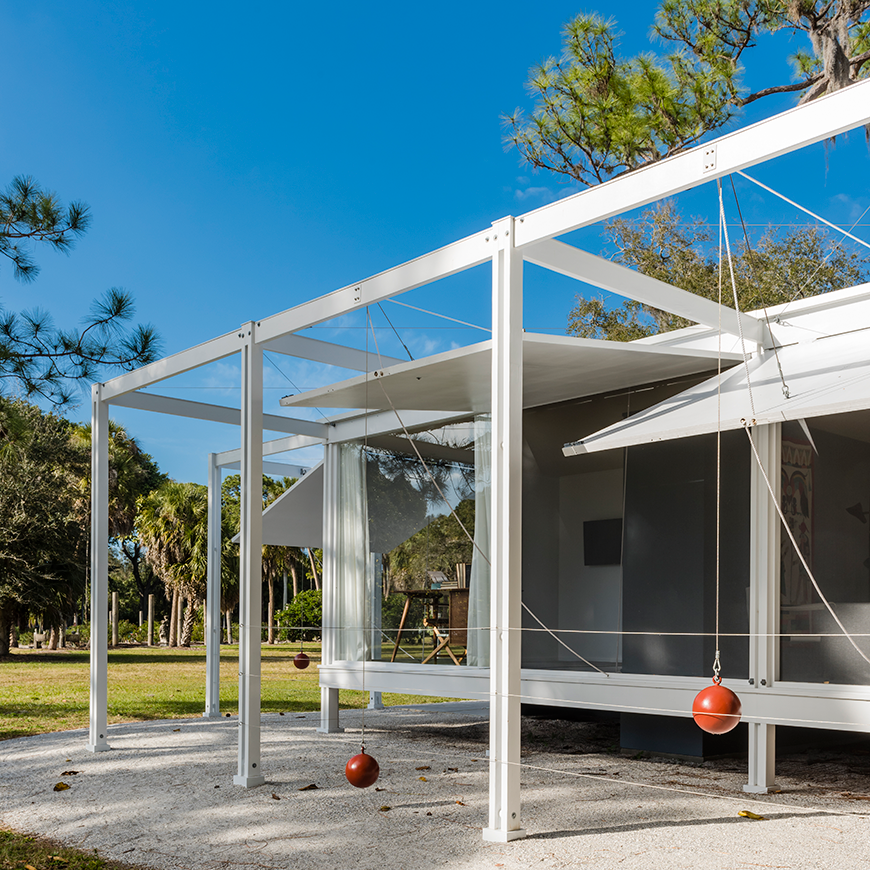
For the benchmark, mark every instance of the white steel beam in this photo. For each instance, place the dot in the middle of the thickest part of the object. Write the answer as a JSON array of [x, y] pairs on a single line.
[[382, 422], [250, 562], [99, 701], [329, 722], [788, 131], [216, 413], [275, 469], [506, 536], [456, 257], [270, 448], [213, 594], [303, 347], [184, 361], [764, 584], [575, 263]]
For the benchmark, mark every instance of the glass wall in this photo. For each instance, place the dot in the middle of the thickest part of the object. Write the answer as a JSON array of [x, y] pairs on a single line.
[[413, 571], [826, 500]]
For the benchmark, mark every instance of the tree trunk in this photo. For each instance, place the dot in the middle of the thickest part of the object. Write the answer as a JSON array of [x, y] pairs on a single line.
[[62, 635], [189, 620], [294, 572], [313, 569], [52, 637], [5, 627], [229, 615], [173, 619], [270, 635], [180, 619]]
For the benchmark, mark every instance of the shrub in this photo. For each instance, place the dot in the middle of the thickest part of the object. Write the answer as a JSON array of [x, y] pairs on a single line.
[[305, 610]]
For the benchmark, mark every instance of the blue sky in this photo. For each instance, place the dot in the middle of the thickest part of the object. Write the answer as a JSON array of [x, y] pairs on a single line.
[[239, 160]]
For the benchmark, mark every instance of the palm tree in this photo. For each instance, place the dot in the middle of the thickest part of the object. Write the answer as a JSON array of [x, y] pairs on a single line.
[[173, 525]]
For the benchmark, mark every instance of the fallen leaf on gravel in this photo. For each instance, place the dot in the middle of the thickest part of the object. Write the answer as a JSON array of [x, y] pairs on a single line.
[[748, 815], [280, 714], [275, 797], [854, 797], [176, 729], [61, 786], [454, 769], [422, 779], [308, 787], [385, 808], [70, 773], [377, 788], [428, 814], [424, 767], [462, 803]]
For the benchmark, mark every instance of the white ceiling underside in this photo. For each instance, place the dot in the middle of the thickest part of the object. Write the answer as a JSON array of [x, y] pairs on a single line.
[[830, 375], [555, 369]]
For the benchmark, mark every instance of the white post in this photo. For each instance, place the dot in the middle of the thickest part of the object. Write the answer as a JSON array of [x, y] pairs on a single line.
[[250, 564], [764, 582], [328, 696], [506, 536], [99, 715], [213, 594], [115, 614]]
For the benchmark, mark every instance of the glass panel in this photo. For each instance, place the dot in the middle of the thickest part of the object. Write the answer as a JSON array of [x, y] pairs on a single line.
[[412, 585], [826, 501]]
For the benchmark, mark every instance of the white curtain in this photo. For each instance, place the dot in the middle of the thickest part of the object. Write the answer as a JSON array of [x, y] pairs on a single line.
[[478, 594], [353, 563]]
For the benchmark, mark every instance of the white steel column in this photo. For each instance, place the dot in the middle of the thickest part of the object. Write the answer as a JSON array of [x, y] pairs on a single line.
[[329, 579], [506, 536], [764, 582], [97, 736], [213, 594], [251, 561]]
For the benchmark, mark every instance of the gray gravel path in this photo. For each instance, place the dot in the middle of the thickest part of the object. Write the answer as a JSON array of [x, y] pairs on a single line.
[[164, 798]]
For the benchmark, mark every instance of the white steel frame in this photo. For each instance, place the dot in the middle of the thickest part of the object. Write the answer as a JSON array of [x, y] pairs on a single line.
[[505, 245]]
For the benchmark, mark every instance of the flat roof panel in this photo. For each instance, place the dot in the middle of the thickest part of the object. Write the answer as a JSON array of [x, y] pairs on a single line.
[[555, 369]]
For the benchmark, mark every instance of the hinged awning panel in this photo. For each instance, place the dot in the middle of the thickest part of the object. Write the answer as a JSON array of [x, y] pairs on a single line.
[[830, 375]]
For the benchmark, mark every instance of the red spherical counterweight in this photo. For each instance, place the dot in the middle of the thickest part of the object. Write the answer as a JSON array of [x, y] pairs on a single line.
[[716, 709], [301, 661], [362, 770]]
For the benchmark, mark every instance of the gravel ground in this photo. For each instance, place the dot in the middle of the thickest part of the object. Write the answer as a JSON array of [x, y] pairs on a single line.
[[164, 798]]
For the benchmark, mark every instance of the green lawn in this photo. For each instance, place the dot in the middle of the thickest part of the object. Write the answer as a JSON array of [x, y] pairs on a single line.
[[44, 691]]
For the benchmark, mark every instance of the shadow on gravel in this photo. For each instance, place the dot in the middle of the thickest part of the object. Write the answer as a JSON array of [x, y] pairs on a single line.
[[668, 823]]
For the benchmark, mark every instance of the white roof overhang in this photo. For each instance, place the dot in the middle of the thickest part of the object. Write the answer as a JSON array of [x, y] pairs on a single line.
[[295, 518], [555, 369], [828, 375]]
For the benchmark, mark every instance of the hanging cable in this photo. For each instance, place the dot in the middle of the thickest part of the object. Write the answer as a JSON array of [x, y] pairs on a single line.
[[734, 289], [396, 331], [717, 667], [805, 210], [287, 377], [749, 253], [436, 314]]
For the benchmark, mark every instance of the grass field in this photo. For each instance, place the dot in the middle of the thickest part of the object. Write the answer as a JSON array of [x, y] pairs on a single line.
[[44, 691]]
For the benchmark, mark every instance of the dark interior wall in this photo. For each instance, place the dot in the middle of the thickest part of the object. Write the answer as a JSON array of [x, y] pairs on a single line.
[[669, 565], [540, 562], [559, 494]]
